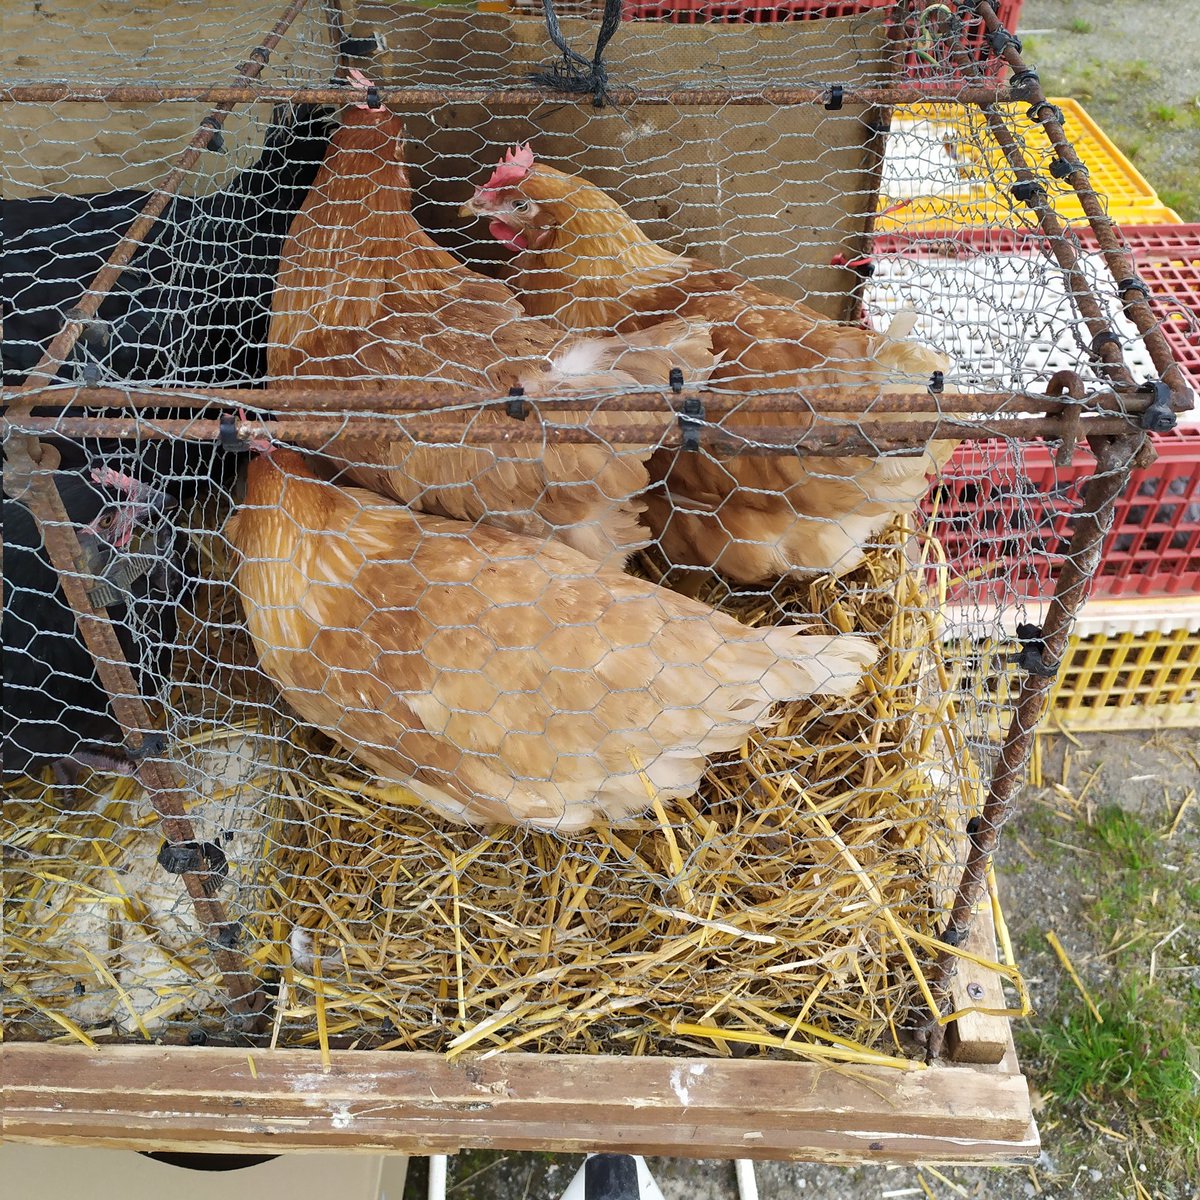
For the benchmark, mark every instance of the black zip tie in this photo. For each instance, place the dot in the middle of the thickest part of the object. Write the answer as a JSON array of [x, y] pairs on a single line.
[[228, 438], [1027, 191], [229, 935], [1043, 111], [153, 745], [1105, 337], [95, 333], [261, 54], [675, 379], [1133, 284], [937, 383], [1160, 417], [79, 989], [197, 1037], [373, 100], [1022, 83], [1032, 658], [974, 829], [1060, 168], [1001, 39], [516, 406], [362, 47], [216, 143], [836, 96], [194, 858], [690, 423]]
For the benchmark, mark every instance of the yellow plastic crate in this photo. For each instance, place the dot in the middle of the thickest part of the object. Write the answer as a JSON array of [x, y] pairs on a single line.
[[943, 170], [1111, 681]]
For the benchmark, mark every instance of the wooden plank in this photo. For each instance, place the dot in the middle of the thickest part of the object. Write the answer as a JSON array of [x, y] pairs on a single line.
[[153, 1097], [977, 1037]]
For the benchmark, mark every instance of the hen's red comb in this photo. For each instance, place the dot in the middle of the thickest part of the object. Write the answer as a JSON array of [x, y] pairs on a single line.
[[512, 168], [107, 477]]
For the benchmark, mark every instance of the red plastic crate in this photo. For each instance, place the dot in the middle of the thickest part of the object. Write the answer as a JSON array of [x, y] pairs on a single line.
[[1006, 524]]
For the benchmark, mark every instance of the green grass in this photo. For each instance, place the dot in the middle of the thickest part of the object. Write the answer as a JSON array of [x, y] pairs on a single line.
[[1144, 1058], [1165, 114], [1128, 841], [1079, 25]]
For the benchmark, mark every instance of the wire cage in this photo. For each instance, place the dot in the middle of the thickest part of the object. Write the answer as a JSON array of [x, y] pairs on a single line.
[[470, 626]]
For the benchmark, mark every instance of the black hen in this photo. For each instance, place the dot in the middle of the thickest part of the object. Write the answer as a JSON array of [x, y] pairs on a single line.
[[194, 305], [56, 710]]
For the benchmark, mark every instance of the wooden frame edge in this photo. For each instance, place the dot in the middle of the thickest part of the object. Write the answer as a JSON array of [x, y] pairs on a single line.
[[160, 1097]]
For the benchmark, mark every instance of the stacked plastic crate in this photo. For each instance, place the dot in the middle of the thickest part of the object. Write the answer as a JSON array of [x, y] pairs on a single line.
[[1135, 658]]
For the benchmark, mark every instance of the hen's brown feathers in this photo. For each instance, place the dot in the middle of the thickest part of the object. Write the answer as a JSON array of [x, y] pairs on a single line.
[[754, 517], [501, 679], [367, 298]]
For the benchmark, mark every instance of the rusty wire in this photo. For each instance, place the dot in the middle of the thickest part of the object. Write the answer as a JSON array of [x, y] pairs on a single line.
[[398, 98]]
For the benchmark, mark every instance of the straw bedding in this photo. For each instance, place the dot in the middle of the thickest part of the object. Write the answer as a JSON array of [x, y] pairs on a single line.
[[788, 907]]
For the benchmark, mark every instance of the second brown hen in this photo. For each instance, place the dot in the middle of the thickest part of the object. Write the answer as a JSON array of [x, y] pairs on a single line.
[[368, 300]]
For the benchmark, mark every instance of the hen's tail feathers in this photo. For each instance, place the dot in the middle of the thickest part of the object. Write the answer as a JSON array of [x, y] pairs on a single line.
[[816, 665]]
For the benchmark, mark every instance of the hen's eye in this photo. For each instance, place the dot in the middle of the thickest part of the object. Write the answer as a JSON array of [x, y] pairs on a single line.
[[106, 521], [520, 204]]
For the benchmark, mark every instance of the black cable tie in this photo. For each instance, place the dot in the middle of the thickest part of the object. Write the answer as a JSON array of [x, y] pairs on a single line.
[[1022, 83], [261, 54], [1060, 168], [228, 438], [974, 829], [216, 143], [194, 858], [362, 47], [675, 379], [690, 420], [373, 100], [1042, 111], [1001, 39], [197, 1037], [1027, 191], [229, 935], [1133, 284], [836, 97], [1032, 658], [516, 406], [937, 383], [952, 935], [1105, 337], [1159, 417], [79, 989], [153, 745]]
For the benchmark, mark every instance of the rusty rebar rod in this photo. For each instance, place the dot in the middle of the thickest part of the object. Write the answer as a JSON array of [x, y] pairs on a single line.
[[1133, 298], [1114, 462], [400, 98], [820, 437], [1116, 458], [818, 400], [28, 476]]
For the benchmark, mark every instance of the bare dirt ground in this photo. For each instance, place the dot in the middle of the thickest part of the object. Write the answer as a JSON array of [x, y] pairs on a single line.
[[1119, 891]]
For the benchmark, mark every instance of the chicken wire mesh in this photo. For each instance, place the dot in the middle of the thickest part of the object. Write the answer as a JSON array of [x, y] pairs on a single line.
[[551, 721]]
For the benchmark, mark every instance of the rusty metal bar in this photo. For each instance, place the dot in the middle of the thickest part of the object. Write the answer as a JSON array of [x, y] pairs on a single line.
[[1136, 305], [399, 98], [819, 437], [156, 203], [1115, 457], [38, 491], [1114, 463], [27, 475], [818, 400]]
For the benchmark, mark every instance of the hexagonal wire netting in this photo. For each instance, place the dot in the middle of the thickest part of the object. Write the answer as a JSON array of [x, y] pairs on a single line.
[[549, 719]]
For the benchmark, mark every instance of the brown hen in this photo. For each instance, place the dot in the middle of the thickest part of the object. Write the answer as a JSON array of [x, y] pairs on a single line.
[[367, 299], [499, 678], [585, 264]]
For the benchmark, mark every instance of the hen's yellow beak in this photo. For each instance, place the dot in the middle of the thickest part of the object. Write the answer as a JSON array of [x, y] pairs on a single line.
[[468, 210]]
